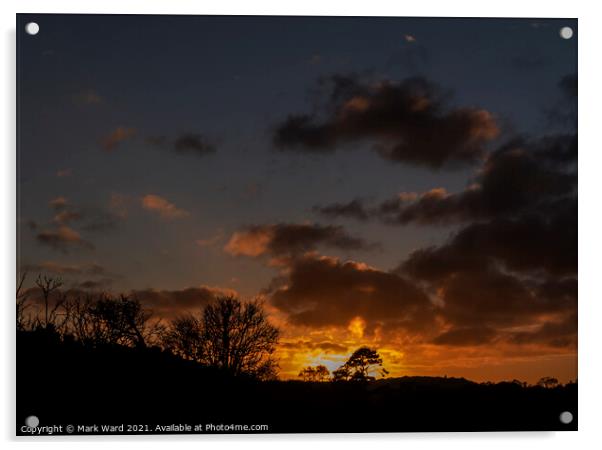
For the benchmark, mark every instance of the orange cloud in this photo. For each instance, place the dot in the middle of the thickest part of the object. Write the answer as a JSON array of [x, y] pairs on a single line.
[[285, 239], [357, 326], [58, 203], [62, 238], [64, 173], [117, 136], [89, 97], [164, 208], [211, 241], [249, 243]]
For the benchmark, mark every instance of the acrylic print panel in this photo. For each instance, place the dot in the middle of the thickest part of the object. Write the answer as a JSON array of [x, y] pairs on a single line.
[[296, 224]]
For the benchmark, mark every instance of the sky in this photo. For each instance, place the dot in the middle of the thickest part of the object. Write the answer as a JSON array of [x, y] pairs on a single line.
[[404, 183]]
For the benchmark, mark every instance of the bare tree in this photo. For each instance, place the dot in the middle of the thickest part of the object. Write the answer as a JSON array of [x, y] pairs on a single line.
[[184, 337], [121, 320], [82, 324], [48, 286], [239, 338], [22, 322]]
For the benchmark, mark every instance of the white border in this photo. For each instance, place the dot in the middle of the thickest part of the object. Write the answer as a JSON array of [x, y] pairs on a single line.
[[590, 300]]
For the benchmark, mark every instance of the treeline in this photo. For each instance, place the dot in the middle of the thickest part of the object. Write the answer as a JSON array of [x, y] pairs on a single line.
[[363, 365], [227, 334]]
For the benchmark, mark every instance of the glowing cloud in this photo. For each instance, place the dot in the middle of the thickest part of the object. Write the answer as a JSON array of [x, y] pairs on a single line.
[[164, 208]]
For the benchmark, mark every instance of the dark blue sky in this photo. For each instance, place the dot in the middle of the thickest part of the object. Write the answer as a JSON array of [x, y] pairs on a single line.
[[233, 79]]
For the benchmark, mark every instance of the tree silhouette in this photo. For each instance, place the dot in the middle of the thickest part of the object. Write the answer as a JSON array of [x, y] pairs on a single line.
[[547, 382], [120, 321], [22, 322], [341, 374], [318, 373], [48, 285], [238, 337], [360, 366], [184, 337]]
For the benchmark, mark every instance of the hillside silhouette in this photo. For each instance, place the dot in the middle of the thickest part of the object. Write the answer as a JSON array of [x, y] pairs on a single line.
[[63, 382], [104, 361]]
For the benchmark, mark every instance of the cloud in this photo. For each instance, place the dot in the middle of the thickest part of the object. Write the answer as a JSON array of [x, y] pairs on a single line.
[[408, 122], [495, 275], [88, 218], [519, 177], [63, 238], [309, 346], [466, 336], [118, 205], [66, 269], [163, 207], [508, 274], [88, 97], [64, 217], [563, 113], [166, 303], [83, 276], [532, 244], [93, 285], [354, 209], [68, 220], [319, 291], [211, 241], [568, 86], [561, 333], [58, 203], [116, 137], [289, 239], [193, 143], [62, 173], [315, 59], [409, 38], [187, 143], [64, 211], [491, 297]]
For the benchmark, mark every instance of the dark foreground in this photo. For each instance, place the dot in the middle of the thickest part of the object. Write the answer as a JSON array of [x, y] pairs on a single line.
[[82, 391]]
